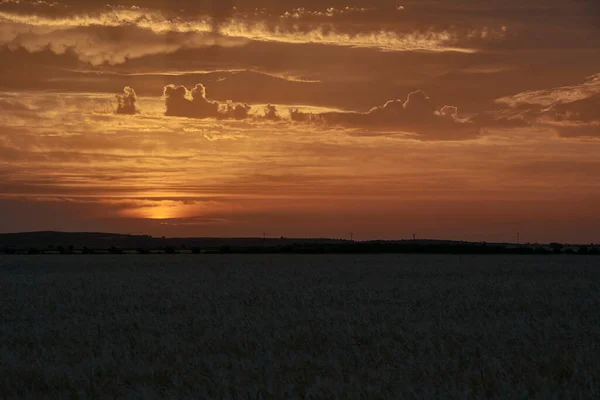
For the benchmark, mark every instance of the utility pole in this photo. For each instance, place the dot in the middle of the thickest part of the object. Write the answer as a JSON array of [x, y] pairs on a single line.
[[352, 237], [264, 236], [518, 238], [414, 236]]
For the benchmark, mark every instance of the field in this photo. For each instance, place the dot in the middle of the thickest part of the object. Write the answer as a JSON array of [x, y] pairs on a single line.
[[299, 327]]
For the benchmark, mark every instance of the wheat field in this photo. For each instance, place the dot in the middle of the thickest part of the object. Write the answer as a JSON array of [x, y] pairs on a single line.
[[299, 327]]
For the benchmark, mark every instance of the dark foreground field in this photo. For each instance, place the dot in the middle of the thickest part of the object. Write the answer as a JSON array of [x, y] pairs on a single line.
[[299, 327]]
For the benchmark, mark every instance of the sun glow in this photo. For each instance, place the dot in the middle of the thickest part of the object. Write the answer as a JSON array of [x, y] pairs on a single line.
[[161, 210]]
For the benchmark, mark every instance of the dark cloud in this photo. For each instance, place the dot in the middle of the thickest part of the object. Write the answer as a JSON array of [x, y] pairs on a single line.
[[417, 114], [417, 26], [520, 116], [114, 33], [584, 110], [491, 120], [97, 42], [572, 111], [449, 111], [231, 110], [181, 102], [271, 113], [126, 102], [579, 118]]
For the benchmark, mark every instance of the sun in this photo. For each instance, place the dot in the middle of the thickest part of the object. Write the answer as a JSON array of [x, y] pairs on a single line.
[[159, 210], [162, 212], [164, 209]]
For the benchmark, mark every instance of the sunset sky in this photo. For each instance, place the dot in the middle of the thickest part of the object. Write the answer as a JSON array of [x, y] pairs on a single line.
[[465, 119]]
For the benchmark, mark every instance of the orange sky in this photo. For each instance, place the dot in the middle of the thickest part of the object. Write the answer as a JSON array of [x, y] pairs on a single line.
[[459, 120]]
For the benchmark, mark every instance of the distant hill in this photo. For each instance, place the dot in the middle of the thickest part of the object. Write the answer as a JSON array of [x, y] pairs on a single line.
[[96, 240]]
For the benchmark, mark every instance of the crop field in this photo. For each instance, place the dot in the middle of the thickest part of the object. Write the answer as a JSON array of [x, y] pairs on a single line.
[[299, 327]]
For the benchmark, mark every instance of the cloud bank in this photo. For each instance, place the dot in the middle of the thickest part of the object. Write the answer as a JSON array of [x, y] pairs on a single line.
[[117, 33], [417, 114]]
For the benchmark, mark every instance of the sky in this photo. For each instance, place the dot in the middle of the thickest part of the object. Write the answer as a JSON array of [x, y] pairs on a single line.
[[465, 119]]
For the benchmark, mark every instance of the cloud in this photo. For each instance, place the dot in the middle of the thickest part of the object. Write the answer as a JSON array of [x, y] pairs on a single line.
[[449, 111], [548, 97], [111, 37], [126, 102], [518, 117], [584, 110], [13, 104], [181, 102], [220, 12], [117, 34], [580, 118], [329, 12], [572, 111], [271, 113], [417, 115]]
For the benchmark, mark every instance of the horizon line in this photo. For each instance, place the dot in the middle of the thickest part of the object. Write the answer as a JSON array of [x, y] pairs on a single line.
[[288, 238]]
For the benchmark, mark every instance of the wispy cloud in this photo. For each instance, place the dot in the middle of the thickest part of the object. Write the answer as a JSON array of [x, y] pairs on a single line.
[[548, 97], [572, 111]]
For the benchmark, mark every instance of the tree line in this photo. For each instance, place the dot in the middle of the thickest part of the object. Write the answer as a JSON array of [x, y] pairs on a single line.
[[320, 248]]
